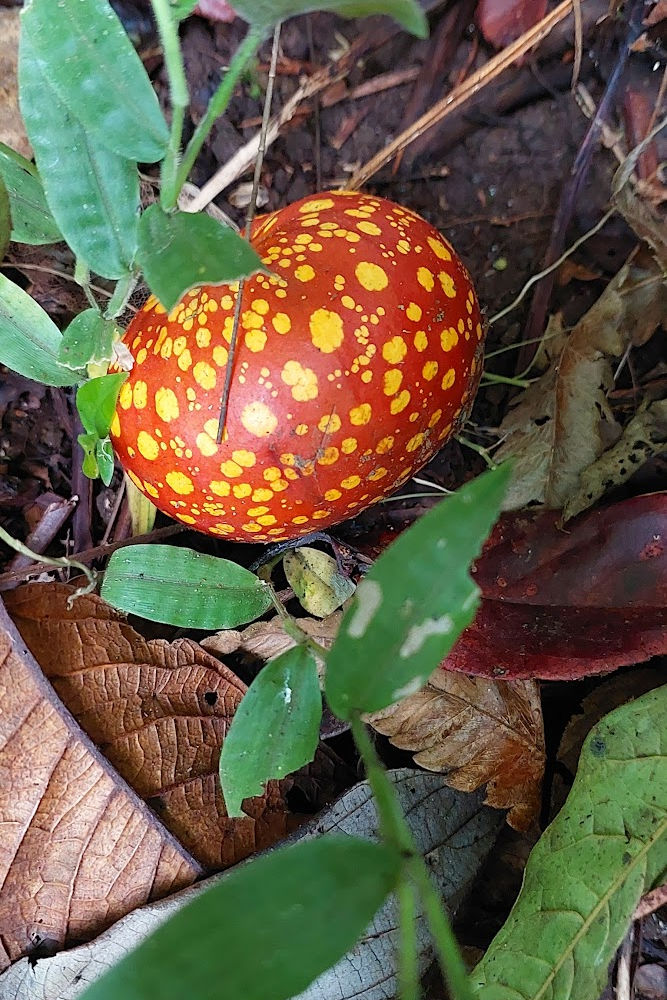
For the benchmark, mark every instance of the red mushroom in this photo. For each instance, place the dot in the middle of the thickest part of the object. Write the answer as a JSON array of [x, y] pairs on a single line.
[[358, 356]]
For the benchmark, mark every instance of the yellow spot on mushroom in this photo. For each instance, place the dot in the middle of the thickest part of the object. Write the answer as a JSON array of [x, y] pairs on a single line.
[[203, 336], [281, 323], [438, 248], [258, 419], [435, 417], [391, 381], [251, 527], [425, 278], [148, 446], [394, 350], [326, 330], [262, 494], [348, 445], [220, 487], [256, 511], [301, 429], [299, 519], [448, 286], [278, 485], [415, 441], [151, 490], [366, 376], [186, 518], [241, 490], [350, 482], [141, 356], [166, 404], [430, 370], [449, 338], [370, 228], [360, 415], [206, 444], [329, 456], [399, 402], [385, 445], [204, 375], [222, 529], [329, 423], [304, 272], [318, 205], [180, 483], [448, 379], [266, 519], [255, 340], [231, 469], [114, 430], [166, 349], [185, 360], [371, 276], [414, 312], [332, 495], [220, 355], [319, 514], [139, 395], [135, 479], [271, 474], [260, 306], [302, 380], [125, 396], [378, 474]]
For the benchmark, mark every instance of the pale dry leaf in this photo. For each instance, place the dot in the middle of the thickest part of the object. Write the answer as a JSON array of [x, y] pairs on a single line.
[[158, 711], [78, 848], [642, 438], [222, 643], [268, 639], [477, 732], [12, 130], [454, 831], [562, 423]]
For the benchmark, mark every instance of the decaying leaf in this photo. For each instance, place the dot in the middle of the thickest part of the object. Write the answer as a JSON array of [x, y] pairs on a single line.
[[316, 581], [478, 732], [502, 21], [158, 711], [268, 639], [78, 848], [644, 437], [454, 831], [561, 604], [563, 423]]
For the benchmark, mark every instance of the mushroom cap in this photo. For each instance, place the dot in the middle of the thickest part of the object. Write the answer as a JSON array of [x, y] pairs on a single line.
[[359, 354]]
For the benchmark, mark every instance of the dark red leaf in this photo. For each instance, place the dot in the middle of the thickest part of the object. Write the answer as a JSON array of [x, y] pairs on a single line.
[[502, 21], [564, 603]]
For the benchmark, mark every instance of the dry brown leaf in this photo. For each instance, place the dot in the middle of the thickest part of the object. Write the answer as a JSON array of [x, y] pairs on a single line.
[[478, 732], [563, 423], [158, 711], [12, 130], [78, 848], [268, 639]]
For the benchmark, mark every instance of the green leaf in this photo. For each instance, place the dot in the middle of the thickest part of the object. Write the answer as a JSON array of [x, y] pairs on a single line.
[[265, 931], [584, 877], [179, 251], [183, 587], [92, 193], [105, 459], [89, 337], [5, 219], [411, 607], [89, 61], [32, 221], [182, 8], [89, 466], [314, 578], [29, 340], [265, 13], [96, 402], [276, 727]]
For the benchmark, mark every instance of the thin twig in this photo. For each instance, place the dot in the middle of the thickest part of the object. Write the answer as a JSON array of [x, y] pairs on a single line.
[[459, 95], [578, 42], [224, 402], [58, 274]]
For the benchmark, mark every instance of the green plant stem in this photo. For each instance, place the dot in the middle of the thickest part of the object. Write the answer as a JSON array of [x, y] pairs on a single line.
[[408, 956], [492, 379], [120, 297], [178, 88], [291, 626], [480, 449], [217, 104], [82, 278], [393, 828]]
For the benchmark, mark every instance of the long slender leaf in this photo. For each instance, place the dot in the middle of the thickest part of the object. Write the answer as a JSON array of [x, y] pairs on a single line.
[[92, 192], [275, 729], [32, 221], [29, 340], [183, 587], [265, 13], [411, 607], [186, 249], [585, 875], [5, 218], [265, 931], [89, 61]]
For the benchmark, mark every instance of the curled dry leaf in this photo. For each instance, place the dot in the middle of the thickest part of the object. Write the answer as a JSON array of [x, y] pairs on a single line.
[[478, 732], [158, 711], [563, 423], [78, 848], [454, 831], [268, 639]]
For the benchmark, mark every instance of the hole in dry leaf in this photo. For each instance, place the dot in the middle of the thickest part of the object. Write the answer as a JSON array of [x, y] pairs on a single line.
[[210, 698]]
